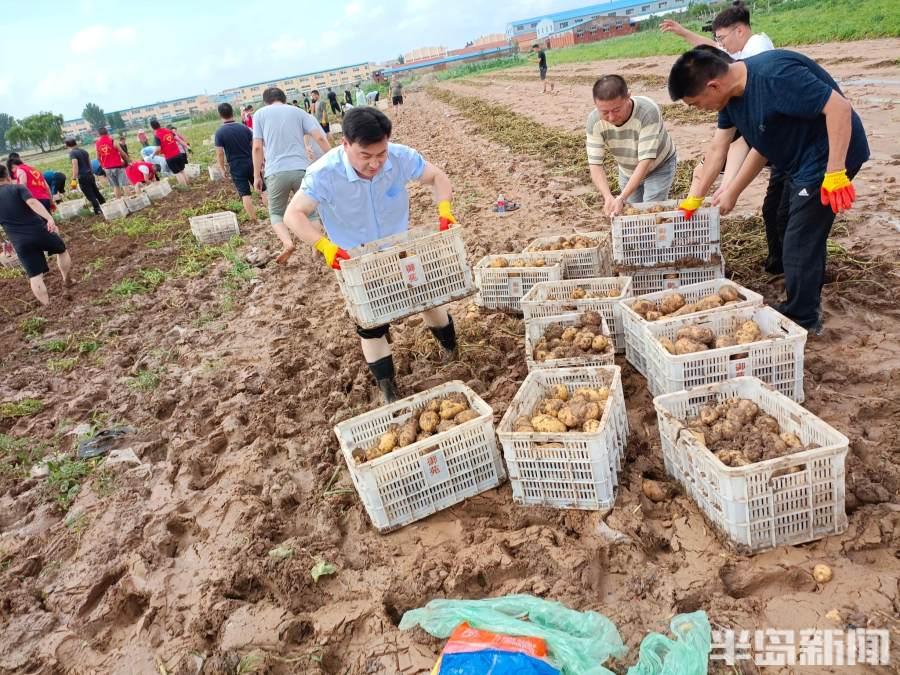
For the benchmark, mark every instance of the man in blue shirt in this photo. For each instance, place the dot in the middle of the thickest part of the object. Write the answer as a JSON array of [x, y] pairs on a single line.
[[791, 113], [234, 142], [359, 189]]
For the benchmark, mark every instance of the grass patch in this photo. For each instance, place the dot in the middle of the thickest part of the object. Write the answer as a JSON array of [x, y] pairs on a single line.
[[144, 380], [147, 280], [33, 326], [23, 408], [63, 365], [18, 455], [57, 345], [66, 477], [11, 272], [195, 258], [132, 226], [481, 67]]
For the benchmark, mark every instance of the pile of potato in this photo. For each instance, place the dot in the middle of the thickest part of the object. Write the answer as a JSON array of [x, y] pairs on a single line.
[[517, 262], [566, 243], [690, 339], [565, 342], [560, 412], [579, 293], [438, 415], [739, 433], [631, 210], [673, 304]]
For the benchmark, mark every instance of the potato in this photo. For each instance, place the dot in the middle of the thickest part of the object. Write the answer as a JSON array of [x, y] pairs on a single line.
[[700, 334], [614, 293], [791, 440], [565, 350], [568, 335], [450, 409], [737, 416], [553, 332], [584, 340], [726, 429], [591, 426], [653, 316], [709, 302], [729, 294], [466, 416], [643, 306], [558, 391], [688, 346], [767, 423], [671, 302], [749, 408], [591, 319], [578, 293], [575, 413], [596, 395], [522, 424], [408, 433], [445, 425], [387, 442], [822, 574], [428, 421], [724, 341], [541, 355], [773, 446], [547, 424], [434, 405], [689, 308], [712, 435], [550, 406], [499, 262], [708, 414], [422, 436], [748, 332], [600, 343], [667, 344], [538, 262], [733, 458], [554, 343]]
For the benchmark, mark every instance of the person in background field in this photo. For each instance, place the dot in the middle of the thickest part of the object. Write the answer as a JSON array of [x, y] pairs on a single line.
[[372, 98], [82, 172], [333, 102], [348, 99], [139, 173], [234, 143], [123, 147], [321, 111], [169, 148], [359, 189], [247, 116], [32, 179], [732, 33], [542, 66], [632, 129], [182, 142], [142, 138], [306, 104], [278, 142], [33, 233], [396, 94], [57, 183], [112, 161], [793, 114], [360, 97]]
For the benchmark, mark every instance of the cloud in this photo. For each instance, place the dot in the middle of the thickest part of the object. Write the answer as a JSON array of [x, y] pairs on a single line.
[[287, 47], [95, 38], [329, 39], [354, 8]]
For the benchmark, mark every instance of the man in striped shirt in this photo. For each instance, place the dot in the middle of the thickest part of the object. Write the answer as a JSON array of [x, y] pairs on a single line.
[[631, 128]]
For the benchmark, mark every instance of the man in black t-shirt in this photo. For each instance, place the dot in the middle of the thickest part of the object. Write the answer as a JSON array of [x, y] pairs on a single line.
[[84, 174], [32, 231], [234, 142], [332, 100], [542, 66]]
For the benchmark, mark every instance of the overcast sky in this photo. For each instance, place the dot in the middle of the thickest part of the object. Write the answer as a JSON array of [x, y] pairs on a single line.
[[62, 54]]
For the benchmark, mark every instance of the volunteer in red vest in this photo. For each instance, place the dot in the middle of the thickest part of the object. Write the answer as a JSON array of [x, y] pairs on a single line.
[[169, 148], [112, 161], [33, 179], [140, 173]]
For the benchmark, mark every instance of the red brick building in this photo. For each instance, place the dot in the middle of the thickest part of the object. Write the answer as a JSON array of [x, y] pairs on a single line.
[[597, 29]]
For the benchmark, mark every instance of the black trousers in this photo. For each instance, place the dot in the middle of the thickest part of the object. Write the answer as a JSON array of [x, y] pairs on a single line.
[[808, 225], [88, 185], [774, 218]]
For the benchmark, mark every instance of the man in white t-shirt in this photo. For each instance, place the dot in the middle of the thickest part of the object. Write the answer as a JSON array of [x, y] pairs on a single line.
[[733, 35]]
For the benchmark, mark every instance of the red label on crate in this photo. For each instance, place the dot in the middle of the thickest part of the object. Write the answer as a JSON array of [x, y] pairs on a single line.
[[515, 287], [434, 467], [411, 268], [739, 367], [671, 282]]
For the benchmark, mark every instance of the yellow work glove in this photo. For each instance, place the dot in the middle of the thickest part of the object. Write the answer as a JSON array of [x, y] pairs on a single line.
[[332, 252], [445, 215], [837, 191], [73, 184], [690, 204]]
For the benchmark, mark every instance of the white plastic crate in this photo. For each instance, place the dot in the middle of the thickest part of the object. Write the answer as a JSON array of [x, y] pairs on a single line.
[[192, 170], [666, 238], [405, 274], [504, 287], [215, 228], [566, 470], [570, 470], [215, 173], [784, 501], [552, 298], [633, 325], [534, 330], [157, 190], [776, 359], [645, 281], [70, 208], [578, 263], [430, 475], [114, 209], [137, 202]]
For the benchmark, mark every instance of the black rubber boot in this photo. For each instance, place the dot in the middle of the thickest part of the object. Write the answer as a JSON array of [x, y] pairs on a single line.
[[383, 372], [446, 338]]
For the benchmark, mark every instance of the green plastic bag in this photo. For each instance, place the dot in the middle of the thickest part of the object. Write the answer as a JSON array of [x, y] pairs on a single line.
[[578, 642], [687, 654]]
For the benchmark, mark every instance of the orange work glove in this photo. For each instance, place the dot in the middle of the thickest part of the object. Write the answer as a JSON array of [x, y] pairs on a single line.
[[837, 191], [332, 252]]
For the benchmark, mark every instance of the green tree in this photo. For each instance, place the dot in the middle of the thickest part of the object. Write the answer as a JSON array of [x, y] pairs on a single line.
[[7, 122], [16, 136], [43, 130], [115, 121], [94, 115]]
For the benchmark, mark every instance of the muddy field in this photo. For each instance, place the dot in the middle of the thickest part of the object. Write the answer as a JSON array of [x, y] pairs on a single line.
[[195, 556]]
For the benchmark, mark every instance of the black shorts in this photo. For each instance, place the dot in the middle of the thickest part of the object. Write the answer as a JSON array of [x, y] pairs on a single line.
[[243, 183], [543, 72], [176, 164], [30, 248], [397, 100], [373, 333]]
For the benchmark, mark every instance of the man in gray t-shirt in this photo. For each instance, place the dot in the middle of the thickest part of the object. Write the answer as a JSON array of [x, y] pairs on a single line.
[[278, 147]]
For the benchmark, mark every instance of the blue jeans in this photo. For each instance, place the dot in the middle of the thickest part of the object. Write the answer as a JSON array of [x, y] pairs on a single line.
[[656, 185]]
